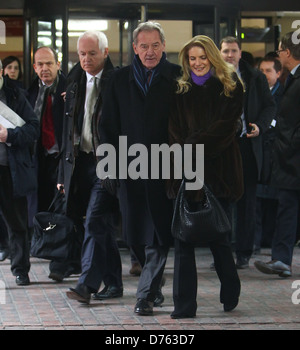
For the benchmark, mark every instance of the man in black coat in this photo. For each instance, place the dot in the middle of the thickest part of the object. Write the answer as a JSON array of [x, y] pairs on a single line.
[[266, 195], [137, 108], [17, 173], [49, 84], [86, 198], [45, 96], [286, 163], [259, 110]]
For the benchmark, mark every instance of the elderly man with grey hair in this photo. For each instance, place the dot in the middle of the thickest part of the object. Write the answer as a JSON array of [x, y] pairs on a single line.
[[86, 199], [19, 128], [137, 106]]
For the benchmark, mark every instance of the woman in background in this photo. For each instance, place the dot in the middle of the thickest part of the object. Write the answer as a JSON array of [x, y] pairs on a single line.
[[12, 68], [206, 110]]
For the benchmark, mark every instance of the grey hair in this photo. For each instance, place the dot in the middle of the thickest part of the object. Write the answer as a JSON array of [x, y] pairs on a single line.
[[288, 43], [0, 64], [101, 37], [148, 27]]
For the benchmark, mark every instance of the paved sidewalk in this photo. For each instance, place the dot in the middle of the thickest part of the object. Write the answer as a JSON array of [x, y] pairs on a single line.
[[265, 303]]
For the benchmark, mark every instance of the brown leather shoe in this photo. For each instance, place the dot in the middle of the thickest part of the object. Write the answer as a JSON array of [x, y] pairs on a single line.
[[136, 269]]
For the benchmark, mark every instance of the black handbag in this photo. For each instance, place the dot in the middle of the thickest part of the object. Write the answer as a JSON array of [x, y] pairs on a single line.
[[199, 222], [53, 232]]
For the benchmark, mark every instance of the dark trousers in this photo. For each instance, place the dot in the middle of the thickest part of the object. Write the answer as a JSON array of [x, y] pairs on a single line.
[[153, 260], [286, 225], [47, 179], [246, 206], [266, 212], [47, 169], [3, 233], [15, 214], [101, 259], [83, 179], [185, 280]]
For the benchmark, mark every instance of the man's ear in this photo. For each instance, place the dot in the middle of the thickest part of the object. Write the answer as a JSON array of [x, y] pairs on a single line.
[[134, 48]]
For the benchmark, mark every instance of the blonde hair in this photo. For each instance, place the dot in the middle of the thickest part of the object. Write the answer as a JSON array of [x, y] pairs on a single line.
[[221, 69]]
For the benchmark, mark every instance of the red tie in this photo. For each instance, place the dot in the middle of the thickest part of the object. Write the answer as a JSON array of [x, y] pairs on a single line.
[[48, 138]]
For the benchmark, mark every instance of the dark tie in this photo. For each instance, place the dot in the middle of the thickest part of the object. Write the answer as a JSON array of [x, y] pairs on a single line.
[[48, 138], [288, 80], [149, 76]]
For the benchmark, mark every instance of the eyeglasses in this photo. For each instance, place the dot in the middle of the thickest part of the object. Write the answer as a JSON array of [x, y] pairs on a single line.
[[278, 51]]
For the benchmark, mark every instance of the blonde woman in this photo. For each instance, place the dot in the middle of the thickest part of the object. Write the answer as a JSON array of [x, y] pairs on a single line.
[[206, 110]]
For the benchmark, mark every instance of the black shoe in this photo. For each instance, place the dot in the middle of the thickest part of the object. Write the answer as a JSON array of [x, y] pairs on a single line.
[[108, 292], [4, 253], [242, 263], [22, 280], [230, 306], [143, 307], [80, 293], [178, 316], [56, 276], [274, 267]]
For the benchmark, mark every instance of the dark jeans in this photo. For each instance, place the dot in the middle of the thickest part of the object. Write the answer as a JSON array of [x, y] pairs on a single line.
[[15, 213]]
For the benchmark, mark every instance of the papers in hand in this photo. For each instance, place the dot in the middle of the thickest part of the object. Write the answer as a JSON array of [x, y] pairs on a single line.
[[8, 118]]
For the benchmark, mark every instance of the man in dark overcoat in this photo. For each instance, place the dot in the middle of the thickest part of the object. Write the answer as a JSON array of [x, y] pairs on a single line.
[[137, 107], [49, 83], [286, 162], [91, 207], [17, 173], [46, 98], [259, 110], [266, 195]]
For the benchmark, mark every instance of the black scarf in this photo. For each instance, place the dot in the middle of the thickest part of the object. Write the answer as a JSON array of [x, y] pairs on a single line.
[[140, 72]]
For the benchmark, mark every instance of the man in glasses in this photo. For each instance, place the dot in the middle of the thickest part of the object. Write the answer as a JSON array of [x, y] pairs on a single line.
[[286, 163]]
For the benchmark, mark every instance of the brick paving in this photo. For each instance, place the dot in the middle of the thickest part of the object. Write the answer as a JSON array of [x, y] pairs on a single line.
[[265, 302]]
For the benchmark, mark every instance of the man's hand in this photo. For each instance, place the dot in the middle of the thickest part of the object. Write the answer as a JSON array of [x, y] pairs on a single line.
[[255, 130], [60, 187], [3, 133]]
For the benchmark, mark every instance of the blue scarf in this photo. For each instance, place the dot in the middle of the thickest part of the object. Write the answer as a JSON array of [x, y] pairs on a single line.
[[140, 73]]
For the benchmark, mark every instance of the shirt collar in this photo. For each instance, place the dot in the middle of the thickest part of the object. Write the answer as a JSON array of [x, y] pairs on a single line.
[[293, 71], [89, 76]]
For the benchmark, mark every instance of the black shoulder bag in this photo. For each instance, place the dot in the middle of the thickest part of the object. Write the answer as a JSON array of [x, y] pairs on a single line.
[[199, 222]]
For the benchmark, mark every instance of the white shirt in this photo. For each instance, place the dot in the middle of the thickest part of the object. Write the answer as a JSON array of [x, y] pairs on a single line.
[[89, 84], [293, 71]]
